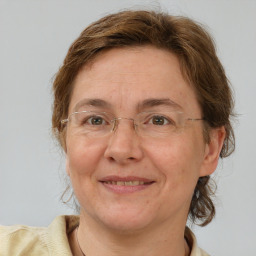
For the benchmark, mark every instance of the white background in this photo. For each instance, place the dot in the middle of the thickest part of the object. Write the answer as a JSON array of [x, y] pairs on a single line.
[[34, 38]]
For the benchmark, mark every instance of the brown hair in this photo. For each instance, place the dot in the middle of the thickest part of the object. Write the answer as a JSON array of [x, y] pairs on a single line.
[[199, 65]]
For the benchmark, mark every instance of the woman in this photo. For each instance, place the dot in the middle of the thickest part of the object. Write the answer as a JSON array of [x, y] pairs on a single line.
[[142, 110]]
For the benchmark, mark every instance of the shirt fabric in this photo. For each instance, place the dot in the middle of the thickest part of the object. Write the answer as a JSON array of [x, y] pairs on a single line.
[[53, 240]]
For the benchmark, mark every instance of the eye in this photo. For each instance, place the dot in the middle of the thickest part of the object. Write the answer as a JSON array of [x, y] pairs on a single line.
[[91, 119], [96, 120], [159, 120]]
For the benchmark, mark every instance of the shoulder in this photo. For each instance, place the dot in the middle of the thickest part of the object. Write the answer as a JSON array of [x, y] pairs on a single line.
[[17, 240], [25, 240], [192, 242]]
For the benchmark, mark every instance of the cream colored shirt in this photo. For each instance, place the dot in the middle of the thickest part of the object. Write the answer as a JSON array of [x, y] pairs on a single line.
[[53, 240]]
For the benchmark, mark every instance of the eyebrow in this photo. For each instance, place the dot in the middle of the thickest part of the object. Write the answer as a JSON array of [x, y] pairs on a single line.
[[154, 102], [148, 103], [92, 102]]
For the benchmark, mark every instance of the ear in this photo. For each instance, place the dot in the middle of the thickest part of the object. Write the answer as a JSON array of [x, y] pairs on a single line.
[[212, 151]]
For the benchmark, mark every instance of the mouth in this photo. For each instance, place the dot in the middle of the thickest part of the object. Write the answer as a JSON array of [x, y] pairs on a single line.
[[123, 185], [127, 183]]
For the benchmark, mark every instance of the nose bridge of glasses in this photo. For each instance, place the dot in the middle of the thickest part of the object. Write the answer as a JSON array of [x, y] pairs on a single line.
[[117, 120]]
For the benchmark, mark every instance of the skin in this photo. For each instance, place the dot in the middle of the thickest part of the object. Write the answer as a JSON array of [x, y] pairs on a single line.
[[149, 221]]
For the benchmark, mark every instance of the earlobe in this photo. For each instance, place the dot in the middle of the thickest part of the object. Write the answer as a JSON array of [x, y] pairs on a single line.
[[212, 151]]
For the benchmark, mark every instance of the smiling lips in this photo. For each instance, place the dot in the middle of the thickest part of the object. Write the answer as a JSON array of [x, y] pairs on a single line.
[[123, 185], [126, 183]]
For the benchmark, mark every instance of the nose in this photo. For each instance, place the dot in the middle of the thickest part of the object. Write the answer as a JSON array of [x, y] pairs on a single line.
[[124, 145]]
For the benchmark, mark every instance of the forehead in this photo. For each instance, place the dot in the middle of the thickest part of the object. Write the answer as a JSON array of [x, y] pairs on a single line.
[[124, 77], [139, 63]]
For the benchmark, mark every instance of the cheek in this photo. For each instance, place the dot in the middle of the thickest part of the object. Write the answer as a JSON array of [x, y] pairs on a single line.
[[178, 160], [82, 161], [82, 156]]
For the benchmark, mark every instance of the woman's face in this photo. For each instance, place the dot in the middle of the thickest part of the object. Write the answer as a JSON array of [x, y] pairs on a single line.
[[125, 181]]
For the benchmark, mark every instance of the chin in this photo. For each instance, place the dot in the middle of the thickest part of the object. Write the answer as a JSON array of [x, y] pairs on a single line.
[[126, 227], [126, 221]]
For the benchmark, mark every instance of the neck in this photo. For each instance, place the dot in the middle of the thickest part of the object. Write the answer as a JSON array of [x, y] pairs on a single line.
[[102, 241]]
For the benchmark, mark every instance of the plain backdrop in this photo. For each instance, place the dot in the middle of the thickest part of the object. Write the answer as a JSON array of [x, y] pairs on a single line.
[[34, 38]]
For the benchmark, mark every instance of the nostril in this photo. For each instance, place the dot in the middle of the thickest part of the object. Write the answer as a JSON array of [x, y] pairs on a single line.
[[111, 159]]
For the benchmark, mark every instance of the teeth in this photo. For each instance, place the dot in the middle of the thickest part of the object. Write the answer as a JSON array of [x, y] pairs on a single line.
[[125, 183]]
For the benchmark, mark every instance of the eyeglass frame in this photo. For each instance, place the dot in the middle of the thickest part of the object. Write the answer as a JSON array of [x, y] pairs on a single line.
[[116, 119]]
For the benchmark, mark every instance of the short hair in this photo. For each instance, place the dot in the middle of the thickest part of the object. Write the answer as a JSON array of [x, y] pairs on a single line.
[[199, 64]]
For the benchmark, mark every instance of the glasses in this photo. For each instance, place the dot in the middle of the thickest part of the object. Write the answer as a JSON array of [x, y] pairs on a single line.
[[152, 124]]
